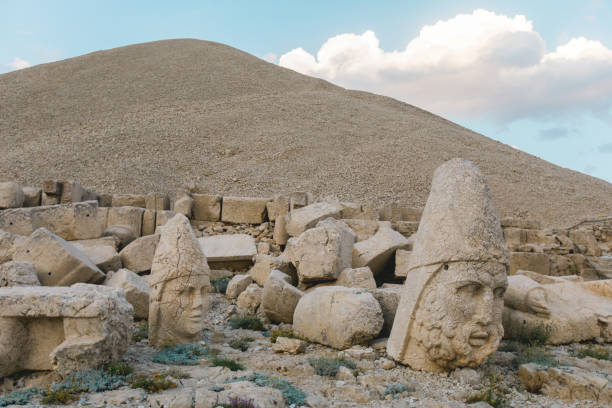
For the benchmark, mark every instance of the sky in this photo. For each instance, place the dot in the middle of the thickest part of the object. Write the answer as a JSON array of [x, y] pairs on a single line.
[[536, 75]]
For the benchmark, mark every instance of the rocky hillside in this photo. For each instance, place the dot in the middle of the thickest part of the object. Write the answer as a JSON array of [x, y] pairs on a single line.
[[158, 115]]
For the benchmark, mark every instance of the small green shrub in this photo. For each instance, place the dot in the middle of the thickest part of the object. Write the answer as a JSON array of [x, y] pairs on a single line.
[[184, 354], [90, 381], [118, 369], [600, 353], [274, 334], [153, 383], [61, 396], [329, 366], [291, 395], [247, 321], [220, 285], [537, 336], [19, 397], [509, 346], [241, 344], [227, 362], [395, 389], [494, 391], [141, 331]]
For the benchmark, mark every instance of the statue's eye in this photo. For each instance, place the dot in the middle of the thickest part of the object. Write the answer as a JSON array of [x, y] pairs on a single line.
[[499, 292], [470, 288]]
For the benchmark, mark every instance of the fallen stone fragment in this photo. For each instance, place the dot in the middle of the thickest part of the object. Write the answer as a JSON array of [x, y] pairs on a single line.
[[389, 299], [250, 299], [31, 196], [62, 328], [8, 243], [130, 217], [206, 207], [289, 346], [148, 222], [18, 274], [138, 255], [128, 200], [356, 278], [183, 205], [365, 229], [103, 241], [280, 234], [72, 192], [321, 253], [402, 260], [157, 202], [307, 217], [124, 234], [280, 298], [228, 247], [11, 195], [162, 217], [136, 290], [264, 264], [378, 250], [237, 285], [57, 262], [338, 317], [262, 397], [279, 206], [299, 199], [244, 210], [104, 257]]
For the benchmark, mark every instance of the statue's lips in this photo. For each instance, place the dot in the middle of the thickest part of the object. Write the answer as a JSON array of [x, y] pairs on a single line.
[[478, 338]]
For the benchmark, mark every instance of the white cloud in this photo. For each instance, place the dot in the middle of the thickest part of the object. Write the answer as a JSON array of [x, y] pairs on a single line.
[[470, 65], [270, 57], [19, 63]]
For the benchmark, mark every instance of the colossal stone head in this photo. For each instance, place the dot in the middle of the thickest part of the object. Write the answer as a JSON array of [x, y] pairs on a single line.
[[180, 283], [450, 312]]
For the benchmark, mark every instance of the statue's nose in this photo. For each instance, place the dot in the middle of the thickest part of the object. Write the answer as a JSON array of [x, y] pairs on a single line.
[[197, 300], [484, 308]]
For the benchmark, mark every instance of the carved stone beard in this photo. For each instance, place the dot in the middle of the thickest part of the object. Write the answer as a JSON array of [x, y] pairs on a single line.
[[445, 341]]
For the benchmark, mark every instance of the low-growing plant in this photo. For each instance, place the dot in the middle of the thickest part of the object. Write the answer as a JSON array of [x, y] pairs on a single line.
[[237, 402], [220, 285], [141, 331], [152, 383], [536, 336], [60, 396], [227, 362], [274, 334], [494, 391], [292, 396], [118, 369], [19, 397], [329, 367], [395, 389], [241, 344], [178, 374], [246, 321], [509, 346], [184, 354], [600, 353], [534, 354]]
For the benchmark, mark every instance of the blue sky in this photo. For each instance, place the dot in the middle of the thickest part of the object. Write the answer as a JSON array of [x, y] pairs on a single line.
[[508, 80]]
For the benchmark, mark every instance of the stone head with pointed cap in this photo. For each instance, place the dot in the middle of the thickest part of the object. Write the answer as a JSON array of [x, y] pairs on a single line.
[[450, 312]]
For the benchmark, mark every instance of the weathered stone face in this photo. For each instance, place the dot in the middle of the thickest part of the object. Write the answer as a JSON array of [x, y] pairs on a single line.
[[180, 283], [451, 307]]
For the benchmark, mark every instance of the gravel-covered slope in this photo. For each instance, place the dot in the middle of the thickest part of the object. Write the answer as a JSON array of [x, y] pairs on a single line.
[[159, 115]]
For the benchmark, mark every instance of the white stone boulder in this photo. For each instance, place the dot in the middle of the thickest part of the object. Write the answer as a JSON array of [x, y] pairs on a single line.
[[320, 254], [264, 264], [357, 278], [136, 290], [11, 195], [62, 328], [18, 274], [137, 256], [130, 217], [338, 317], [31, 196], [206, 207], [104, 257], [376, 251], [280, 297], [228, 247], [289, 346], [237, 285], [250, 298], [307, 217], [57, 262], [244, 210], [183, 205]]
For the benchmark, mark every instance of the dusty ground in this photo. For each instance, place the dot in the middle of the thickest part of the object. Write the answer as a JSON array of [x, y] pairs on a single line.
[[155, 116]]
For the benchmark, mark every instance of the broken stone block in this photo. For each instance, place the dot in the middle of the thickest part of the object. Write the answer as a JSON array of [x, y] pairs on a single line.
[[62, 328], [57, 262], [519, 223], [307, 217], [280, 298], [71, 192], [179, 285], [69, 221], [31, 196], [338, 317], [396, 212], [299, 199], [128, 200], [138, 255], [280, 234], [148, 222], [388, 298], [571, 383], [586, 242], [157, 202], [18, 274], [406, 228], [529, 261], [103, 241], [8, 243], [130, 217], [264, 264], [357, 278], [52, 187], [365, 229], [289, 346], [250, 298], [183, 205], [228, 247], [162, 217], [237, 285], [350, 210], [104, 257], [136, 290], [206, 207], [244, 210], [375, 252], [11, 195], [402, 259], [277, 207], [124, 234], [320, 254], [49, 199]]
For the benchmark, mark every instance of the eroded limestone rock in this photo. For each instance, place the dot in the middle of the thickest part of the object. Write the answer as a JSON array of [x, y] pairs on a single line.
[[250, 298], [62, 328], [137, 256], [280, 297], [307, 217], [136, 290], [377, 251], [237, 285], [452, 302], [8, 243], [179, 286], [18, 274], [11, 195], [244, 210]]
